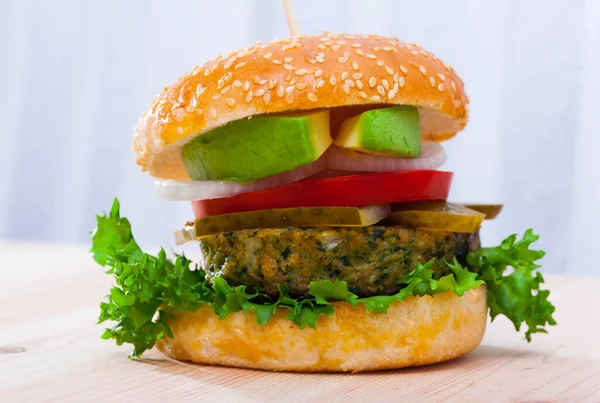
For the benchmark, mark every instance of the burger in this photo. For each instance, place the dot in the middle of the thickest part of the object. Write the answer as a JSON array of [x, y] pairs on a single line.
[[327, 242]]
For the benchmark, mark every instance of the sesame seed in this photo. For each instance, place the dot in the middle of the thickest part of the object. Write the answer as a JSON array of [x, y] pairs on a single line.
[[289, 98], [396, 76], [224, 90], [423, 70], [249, 96], [288, 78], [268, 55], [271, 84], [213, 113], [318, 73], [300, 72], [386, 84], [388, 48], [275, 61], [239, 65], [401, 81], [179, 129], [395, 89], [349, 83], [453, 85], [380, 63], [447, 66], [349, 36], [243, 53], [335, 47], [320, 83], [376, 98], [362, 94], [230, 101], [321, 46], [346, 54], [356, 76], [320, 59], [287, 59], [391, 94], [356, 45], [344, 75], [346, 88], [424, 53], [380, 90], [372, 82], [263, 81], [290, 89], [442, 77], [237, 84], [359, 84], [227, 65], [440, 87], [389, 70], [256, 79], [288, 67], [354, 65], [301, 86], [312, 97], [280, 91], [246, 86], [215, 97], [414, 52], [377, 49], [267, 98], [199, 111], [342, 59], [371, 56], [332, 80], [403, 69], [359, 52]]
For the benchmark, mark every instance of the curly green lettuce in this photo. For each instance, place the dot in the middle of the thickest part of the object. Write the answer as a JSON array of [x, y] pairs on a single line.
[[147, 288]]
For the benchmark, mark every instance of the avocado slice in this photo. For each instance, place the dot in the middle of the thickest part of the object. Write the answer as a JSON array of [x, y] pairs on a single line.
[[287, 217], [248, 149], [394, 131]]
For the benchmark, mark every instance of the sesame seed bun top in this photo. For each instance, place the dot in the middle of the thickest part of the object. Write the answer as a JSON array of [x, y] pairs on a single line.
[[300, 73]]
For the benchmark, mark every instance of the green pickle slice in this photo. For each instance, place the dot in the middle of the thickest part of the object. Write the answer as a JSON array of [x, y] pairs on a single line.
[[491, 211], [288, 217], [436, 215]]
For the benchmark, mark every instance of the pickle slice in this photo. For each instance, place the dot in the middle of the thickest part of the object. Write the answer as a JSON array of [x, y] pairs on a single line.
[[491, 211], [186, 234], [288, 217], [436, 215]]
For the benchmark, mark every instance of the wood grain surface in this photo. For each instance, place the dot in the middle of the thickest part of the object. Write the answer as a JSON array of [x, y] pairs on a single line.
[[50, 350]]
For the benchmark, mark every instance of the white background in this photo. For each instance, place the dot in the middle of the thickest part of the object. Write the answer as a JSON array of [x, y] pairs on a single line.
[[75, 76]]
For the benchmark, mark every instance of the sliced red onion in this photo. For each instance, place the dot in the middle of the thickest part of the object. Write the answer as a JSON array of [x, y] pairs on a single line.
[[432, 156], [203, 190]]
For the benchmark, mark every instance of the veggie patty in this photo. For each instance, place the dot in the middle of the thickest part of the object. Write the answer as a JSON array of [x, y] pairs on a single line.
[[370, 259]]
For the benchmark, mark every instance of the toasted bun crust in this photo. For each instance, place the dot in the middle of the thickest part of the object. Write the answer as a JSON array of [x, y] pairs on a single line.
[[300, 73], [418, 331]]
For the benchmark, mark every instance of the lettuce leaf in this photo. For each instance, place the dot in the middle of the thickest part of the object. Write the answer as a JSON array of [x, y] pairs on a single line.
[[148, 288], [515, 294]]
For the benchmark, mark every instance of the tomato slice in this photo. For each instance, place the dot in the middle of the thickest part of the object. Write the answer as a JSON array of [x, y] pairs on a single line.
[[351, 191]]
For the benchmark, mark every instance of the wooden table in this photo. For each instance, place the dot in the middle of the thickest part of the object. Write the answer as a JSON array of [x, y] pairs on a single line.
[[50, 350]]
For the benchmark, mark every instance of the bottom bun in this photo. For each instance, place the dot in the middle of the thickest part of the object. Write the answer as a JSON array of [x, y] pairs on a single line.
[[417, 331]]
